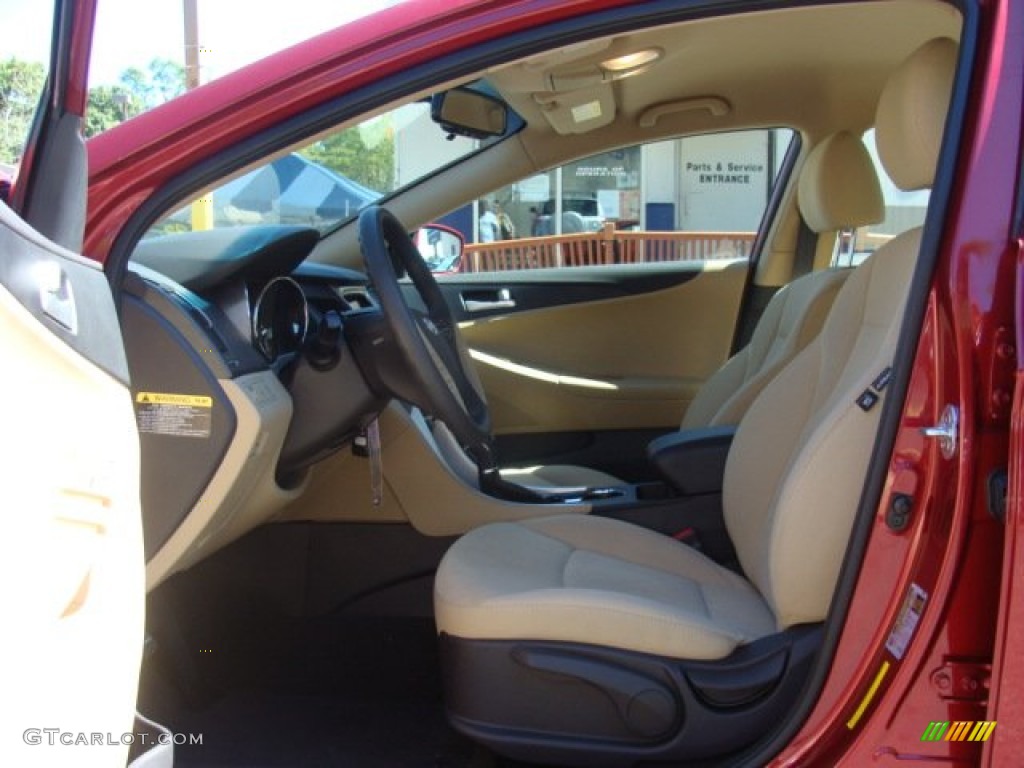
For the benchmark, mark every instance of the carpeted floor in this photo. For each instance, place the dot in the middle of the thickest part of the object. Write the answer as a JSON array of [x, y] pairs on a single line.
[[345, 691]]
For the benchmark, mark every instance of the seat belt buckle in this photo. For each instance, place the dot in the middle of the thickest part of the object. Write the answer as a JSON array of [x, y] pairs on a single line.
[[689, 537]]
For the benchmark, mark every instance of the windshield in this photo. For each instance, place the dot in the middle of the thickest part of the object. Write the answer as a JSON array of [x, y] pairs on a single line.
[[328, 181]]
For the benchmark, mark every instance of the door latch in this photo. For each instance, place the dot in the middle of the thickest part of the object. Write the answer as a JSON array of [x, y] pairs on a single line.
[[962, 680], [946, 431]]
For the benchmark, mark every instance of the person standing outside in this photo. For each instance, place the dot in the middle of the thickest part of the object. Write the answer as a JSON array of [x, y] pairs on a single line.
[[488, 223], [506, 229]]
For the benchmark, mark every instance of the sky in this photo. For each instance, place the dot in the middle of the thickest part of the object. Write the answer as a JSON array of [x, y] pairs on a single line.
[[232, 33], [133, 32]]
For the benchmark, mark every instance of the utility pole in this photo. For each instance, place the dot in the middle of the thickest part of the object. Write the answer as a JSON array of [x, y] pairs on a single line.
[[191, 13], [202, 209]]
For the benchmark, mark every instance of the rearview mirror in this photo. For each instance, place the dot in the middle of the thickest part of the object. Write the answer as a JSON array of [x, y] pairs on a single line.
[[465, 112], [440, 246]]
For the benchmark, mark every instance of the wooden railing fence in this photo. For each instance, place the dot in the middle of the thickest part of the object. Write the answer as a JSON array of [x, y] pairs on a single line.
[[607, 246]]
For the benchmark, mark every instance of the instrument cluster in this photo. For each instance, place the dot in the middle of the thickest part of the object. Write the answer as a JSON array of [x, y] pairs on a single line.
[[280, 318]]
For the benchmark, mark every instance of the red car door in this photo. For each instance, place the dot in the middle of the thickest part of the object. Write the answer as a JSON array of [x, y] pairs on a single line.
[[1006, 707]]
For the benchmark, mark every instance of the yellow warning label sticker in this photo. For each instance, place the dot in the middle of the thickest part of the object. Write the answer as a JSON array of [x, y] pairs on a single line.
[[162, 398], [161, 413]]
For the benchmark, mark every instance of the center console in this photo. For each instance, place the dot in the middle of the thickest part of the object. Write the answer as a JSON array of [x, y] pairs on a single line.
[[685, 504]]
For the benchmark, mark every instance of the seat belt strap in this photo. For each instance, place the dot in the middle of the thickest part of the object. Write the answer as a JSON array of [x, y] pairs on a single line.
[[806, 246]]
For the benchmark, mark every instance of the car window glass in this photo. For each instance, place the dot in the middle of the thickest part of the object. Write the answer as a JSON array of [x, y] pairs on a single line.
[[903, 211], [147, 53], [22, 75], [328, 181], [695, 198]]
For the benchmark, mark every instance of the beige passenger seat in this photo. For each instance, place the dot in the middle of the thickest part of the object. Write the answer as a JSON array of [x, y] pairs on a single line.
[[838, 190], [543, 619]]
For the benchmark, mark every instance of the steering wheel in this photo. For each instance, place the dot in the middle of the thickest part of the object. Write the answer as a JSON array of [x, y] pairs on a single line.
[[440, 377]]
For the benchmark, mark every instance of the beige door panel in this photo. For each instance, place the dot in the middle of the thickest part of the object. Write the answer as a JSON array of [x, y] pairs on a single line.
[[524, 399], [72, 554], [612, 364]]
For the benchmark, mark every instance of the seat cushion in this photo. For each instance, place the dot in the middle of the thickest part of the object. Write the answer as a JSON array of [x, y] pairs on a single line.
[[598, 581]]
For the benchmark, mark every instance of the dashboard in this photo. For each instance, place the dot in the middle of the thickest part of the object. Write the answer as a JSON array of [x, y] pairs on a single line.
[[243, 376]]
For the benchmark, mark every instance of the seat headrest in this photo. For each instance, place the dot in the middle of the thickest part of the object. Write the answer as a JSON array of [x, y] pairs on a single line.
[[838, 186], [911, 114]]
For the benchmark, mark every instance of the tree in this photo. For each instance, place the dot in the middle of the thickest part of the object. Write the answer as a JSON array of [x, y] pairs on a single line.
[[166, 80], [108, 106], [346, 152], [134, 81], [21, 83], [137, 91], [161, 80]]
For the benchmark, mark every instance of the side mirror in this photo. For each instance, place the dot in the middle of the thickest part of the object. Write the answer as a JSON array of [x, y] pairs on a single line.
[[465, 112], [441, 247]]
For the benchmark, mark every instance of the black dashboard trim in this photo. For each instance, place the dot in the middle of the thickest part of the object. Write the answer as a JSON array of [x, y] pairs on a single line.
[[201, 323], [207, 258]]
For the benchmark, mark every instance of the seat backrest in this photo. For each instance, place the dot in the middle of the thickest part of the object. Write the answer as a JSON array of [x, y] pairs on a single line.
[[797, 466], [838, 189]]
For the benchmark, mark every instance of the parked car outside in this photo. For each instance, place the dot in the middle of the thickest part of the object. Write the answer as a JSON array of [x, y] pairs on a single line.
[[579, 214]]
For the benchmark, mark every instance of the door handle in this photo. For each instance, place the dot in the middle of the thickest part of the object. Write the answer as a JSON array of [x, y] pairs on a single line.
[[56, 297], [502, 300]]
